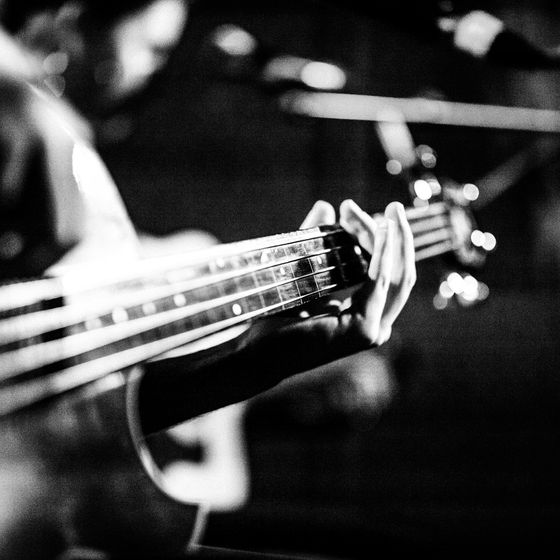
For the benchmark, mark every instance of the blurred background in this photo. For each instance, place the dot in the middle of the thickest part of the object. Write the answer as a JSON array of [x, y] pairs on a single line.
[[448, 436]]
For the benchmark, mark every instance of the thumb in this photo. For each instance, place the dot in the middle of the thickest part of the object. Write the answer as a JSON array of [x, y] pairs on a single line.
[[322, 213]]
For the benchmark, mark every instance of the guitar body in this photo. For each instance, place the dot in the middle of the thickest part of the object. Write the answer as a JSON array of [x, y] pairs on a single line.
[[71, 476]]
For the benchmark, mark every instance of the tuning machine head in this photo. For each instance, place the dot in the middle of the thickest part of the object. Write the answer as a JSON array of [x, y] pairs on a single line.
[[426, 156], [471, 245]]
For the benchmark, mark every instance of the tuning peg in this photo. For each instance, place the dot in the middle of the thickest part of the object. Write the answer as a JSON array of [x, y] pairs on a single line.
[[425, 189], [426, 156], [460, 288], [470, 192], [483, 240]]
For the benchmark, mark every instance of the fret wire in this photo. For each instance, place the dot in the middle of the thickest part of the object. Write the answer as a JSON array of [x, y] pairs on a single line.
[[32, 357], [287, 290], [29, 392], [257, 283], [277, 286], [296, 282]]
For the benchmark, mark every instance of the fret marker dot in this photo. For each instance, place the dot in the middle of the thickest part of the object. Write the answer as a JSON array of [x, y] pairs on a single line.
[[357, 250], [220, 263], [264, 258], [179, 300], [119, 315], [148, 308], [236, 308]]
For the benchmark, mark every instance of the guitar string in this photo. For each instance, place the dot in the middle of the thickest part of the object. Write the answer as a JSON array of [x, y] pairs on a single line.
[[18, 329], [42, 322], [21, 294], [16, 295], [38, 354], [25, 394], [29, 392], [30, 358], [37, 323]]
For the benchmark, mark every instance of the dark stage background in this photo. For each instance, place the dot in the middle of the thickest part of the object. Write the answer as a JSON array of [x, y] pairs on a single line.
[[457, 442]]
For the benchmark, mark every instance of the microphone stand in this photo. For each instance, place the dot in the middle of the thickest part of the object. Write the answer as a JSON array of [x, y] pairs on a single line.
[[358, 107]]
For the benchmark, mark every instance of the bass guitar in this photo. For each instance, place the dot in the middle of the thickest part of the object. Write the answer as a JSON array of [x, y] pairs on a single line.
[[75, 469]]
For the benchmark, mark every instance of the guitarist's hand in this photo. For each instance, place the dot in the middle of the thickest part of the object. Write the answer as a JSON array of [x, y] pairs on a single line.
[[280, 347], [371, 312]]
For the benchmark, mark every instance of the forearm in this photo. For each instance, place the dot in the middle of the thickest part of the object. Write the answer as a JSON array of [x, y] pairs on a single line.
[[173, 391]]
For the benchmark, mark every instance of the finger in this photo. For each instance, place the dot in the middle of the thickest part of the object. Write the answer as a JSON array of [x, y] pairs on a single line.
[[367, 228], [379, 246], [320, 214], [374, 307], [407, 273], [407, 267], [369, 231], [358, 223], [396, 212]]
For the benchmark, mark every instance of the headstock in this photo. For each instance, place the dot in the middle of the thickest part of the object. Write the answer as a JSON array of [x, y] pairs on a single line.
[[471, 245], [445, 205]]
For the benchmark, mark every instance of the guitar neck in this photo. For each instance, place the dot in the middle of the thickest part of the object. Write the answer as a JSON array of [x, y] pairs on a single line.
[[59, 334]]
